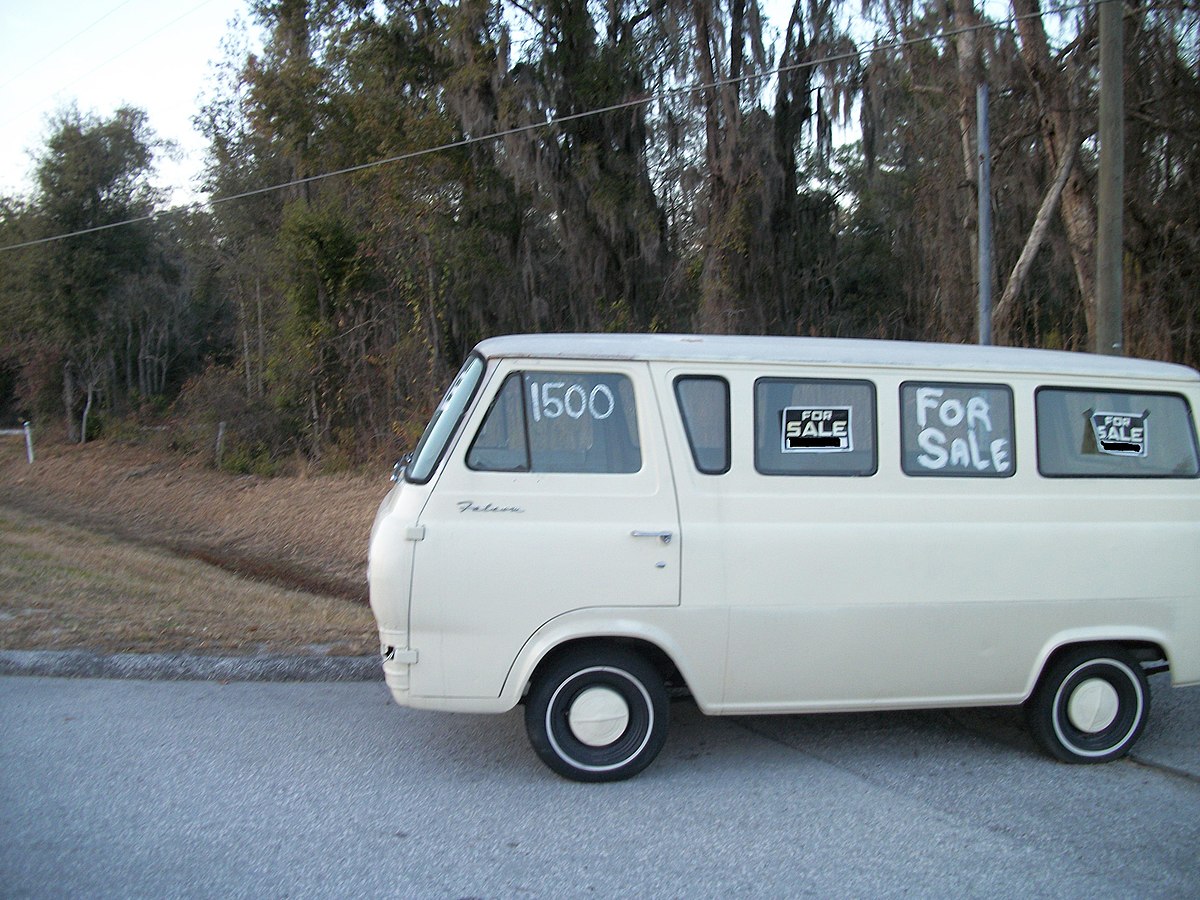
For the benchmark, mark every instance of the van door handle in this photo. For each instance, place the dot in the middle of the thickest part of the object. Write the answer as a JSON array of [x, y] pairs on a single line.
[[664, 536]]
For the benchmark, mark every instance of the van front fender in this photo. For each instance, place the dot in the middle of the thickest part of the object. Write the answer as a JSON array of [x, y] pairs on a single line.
[[693, 640]]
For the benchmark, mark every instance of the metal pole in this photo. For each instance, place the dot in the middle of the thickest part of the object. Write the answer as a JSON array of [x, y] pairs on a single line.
[[29, 443], [985, 214], [1109, 337]]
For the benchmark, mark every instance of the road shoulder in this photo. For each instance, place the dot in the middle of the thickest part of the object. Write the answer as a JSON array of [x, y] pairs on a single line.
[[188, 667]]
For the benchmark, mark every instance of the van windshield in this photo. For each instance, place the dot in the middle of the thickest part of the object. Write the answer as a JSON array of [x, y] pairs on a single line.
[[445, 421]]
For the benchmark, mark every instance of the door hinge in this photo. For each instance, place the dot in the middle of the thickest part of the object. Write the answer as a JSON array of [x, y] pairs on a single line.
[[414, 533], [406, 657]]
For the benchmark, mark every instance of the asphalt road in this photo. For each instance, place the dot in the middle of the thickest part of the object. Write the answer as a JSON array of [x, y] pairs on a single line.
[[173, 789]]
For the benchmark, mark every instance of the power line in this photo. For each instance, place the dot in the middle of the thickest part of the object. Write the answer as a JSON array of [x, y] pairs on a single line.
[[65, 43], [558, 120], [118, 55]]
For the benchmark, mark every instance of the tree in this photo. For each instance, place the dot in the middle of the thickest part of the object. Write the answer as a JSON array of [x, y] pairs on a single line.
[[643, 165], [92, 175], [767, 241], [587, 177], [1162, 181], [20, 343], [1056, 90]]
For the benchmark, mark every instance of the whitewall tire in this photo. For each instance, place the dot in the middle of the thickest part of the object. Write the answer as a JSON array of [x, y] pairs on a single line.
[[597, 714], [1091, 705]]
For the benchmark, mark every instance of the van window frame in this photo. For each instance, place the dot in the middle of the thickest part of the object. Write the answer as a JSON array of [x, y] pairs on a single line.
[[728, 458], [521, 376], [937, 474], [515, 377], [435, 420], [1151, 476], [873, 390]]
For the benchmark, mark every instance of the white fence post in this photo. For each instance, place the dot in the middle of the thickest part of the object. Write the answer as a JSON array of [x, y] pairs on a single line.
[[27, 431]]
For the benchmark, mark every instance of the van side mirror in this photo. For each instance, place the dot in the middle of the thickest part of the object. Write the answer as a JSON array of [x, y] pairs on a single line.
[[401, 466]]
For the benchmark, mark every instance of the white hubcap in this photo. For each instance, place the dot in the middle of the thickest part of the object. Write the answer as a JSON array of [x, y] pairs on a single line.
[[1093, 705], [598, 716]]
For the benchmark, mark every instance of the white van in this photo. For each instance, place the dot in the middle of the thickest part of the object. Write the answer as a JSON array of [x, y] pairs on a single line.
[[592, 524]]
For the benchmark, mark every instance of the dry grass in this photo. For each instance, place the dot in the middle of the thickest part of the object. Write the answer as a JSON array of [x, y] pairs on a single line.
[[63, 588], [113, 547], [309, 533]]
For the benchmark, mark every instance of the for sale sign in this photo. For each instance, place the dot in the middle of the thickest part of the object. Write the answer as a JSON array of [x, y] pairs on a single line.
[[1120, 434], [816, 429]]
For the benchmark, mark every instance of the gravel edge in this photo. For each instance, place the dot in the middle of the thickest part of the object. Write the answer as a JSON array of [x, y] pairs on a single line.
[[188, 667]]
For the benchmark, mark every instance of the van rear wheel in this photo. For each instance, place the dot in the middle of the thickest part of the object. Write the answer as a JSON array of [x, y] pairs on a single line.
[[598, 714], [1091, 705]]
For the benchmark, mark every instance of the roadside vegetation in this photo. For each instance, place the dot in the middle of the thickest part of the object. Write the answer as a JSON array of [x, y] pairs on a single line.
[[816, 178], [67, 588], [112, 547]]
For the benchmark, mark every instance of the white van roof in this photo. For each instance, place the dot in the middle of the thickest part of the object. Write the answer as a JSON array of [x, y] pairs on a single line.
[[694, 348]]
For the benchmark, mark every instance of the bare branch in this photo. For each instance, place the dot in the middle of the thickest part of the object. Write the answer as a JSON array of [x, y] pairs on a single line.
[[1003, 313]]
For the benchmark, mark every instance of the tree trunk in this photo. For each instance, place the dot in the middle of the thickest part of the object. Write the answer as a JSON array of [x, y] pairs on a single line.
[[69, 403], [969, 65], [722, 125], [87, 409], [1005, 310], [1052, 87], [262, 340], [243, 315], [129, 357], [315, 409]]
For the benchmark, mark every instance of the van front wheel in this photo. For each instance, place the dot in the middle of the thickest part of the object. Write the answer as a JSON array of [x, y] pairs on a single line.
[[1091, 705], [598, 715]]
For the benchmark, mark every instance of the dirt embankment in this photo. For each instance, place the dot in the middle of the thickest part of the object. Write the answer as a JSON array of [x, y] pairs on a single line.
[[306, 533]]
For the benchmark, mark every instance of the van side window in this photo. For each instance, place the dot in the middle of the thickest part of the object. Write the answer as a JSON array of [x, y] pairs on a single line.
[[957, 430], [559, 422], [814, 427], [704, 407], [445, 421], [501, 445], [1110, 434]]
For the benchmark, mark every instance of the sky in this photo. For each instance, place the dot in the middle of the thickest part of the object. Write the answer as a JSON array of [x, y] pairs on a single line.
[[156, 55]]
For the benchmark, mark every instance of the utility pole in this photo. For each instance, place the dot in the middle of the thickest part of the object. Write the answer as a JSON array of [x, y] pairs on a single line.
[[983, 131], [1109, 337]]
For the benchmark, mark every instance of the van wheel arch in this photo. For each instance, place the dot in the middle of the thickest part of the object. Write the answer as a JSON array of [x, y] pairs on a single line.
[[1152, 656], [648, 650]]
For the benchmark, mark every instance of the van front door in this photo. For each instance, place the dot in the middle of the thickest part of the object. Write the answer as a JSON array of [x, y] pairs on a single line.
[[557, 496]]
